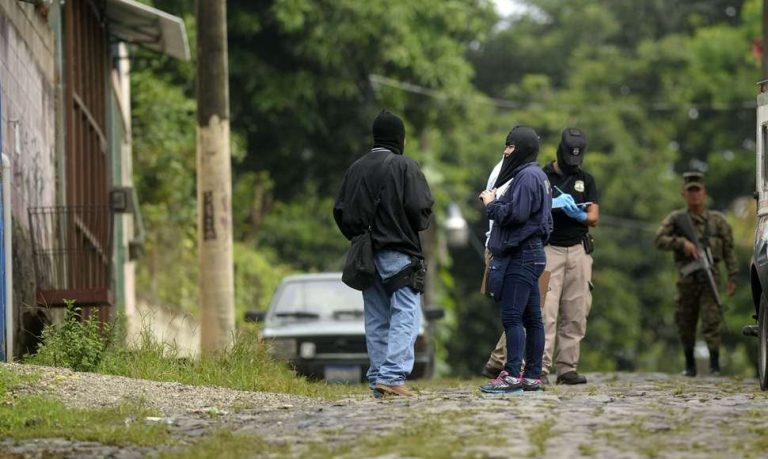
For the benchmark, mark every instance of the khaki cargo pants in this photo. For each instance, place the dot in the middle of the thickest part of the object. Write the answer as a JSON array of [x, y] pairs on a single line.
[[566, 301]]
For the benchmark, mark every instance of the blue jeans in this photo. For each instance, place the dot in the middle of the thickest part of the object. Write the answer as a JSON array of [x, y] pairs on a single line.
[[521, 311], [391, 323]]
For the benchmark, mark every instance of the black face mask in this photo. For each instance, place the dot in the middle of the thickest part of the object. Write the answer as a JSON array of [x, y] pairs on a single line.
[[570, 152], [526, 143], [389, 132]]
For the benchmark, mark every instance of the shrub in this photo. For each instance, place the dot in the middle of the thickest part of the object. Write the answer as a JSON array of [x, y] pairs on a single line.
[[78, 343]]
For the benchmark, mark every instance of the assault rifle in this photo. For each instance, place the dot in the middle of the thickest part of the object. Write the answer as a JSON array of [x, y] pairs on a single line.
[[704, 261]]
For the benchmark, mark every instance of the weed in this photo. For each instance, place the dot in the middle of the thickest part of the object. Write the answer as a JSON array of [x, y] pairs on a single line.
[[78, 343], [9, 381], [25, 417], [247, 365], [586, 449], [637, 427], [679, 389], [761, 433], [593, 390], [538, 436], [224, 444], [651, 451], [554, 390]]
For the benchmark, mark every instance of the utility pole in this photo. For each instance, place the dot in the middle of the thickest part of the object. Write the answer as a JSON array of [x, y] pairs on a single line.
[[214, 184], [764, 57]]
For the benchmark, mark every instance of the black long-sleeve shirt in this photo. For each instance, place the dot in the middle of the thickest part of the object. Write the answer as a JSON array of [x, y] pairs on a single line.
[[405, 207]]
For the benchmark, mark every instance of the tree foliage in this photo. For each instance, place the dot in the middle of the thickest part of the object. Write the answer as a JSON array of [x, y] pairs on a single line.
[[659, 87]]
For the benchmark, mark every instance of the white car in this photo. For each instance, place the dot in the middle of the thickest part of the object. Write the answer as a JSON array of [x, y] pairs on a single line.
[[316, 323]]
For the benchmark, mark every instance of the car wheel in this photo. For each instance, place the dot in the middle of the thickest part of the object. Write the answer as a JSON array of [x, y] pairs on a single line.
[[762, 351]]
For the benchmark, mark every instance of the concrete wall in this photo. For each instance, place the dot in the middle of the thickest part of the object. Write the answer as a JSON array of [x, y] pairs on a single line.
[[28, 123], [165, 324], [27, 77]]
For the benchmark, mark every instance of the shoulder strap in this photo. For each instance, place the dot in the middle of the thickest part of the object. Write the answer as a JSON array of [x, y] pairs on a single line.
[[381, 176], [567, 182]]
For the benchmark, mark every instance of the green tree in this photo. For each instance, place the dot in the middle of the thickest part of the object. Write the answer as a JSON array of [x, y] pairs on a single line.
[[659, 88]]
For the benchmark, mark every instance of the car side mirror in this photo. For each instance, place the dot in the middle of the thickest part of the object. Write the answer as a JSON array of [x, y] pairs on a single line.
[[254, 315], [434, 313]]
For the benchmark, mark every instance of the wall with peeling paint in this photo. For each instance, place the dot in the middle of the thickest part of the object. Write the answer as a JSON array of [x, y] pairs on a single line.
[[28, 122]]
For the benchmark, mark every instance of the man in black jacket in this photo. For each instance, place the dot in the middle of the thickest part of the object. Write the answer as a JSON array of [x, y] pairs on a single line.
[[386, 191]]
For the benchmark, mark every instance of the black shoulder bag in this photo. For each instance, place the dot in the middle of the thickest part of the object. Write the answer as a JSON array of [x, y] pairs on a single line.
[[359, 269]]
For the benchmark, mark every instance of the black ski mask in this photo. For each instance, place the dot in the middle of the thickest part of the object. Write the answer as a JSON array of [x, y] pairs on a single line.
[[526, 143], [570, 152], [389, 132]]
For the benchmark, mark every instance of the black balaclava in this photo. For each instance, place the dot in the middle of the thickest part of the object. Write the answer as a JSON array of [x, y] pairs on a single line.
[[570, 152], [389, 132], [526, 144]]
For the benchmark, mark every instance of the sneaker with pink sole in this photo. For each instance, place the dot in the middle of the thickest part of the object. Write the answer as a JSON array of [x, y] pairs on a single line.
[[503, 384]]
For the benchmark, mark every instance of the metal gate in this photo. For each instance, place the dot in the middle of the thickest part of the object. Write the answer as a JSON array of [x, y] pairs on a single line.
[[73, 244]]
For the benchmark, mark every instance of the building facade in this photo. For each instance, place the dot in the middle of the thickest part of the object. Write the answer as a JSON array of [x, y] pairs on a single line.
[[65, 129]]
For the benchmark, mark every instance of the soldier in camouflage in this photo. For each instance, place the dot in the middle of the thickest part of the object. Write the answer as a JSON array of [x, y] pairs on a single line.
[[694, 294]]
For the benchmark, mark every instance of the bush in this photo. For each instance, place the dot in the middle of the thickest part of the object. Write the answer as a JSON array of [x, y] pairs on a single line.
[[78, 343]]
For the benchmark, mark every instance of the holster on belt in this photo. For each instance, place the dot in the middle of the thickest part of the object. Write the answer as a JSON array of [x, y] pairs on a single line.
[[412, 275]]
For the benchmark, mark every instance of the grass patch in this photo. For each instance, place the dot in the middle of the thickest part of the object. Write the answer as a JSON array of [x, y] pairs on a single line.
[[26, 417], [428, 439], [246, 366], [226, 445], [679, 389], [436, 384], [10, 381], [33, 416], [586, 449], [538, 436], [82, 346], [446, 435]]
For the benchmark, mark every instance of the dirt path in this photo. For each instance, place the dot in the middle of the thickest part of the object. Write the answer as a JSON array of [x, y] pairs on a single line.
[[614, 416]]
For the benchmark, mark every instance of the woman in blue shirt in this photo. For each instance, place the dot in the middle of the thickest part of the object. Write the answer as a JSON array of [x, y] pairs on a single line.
[[522, 223]]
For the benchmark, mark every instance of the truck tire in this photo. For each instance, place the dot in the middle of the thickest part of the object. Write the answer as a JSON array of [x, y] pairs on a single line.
[[762, 350]]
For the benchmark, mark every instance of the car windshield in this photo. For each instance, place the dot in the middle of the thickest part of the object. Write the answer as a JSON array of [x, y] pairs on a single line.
[[326, 298]]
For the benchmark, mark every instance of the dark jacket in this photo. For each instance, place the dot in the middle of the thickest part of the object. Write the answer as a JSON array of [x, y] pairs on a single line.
[[405, 207], [524, 211]]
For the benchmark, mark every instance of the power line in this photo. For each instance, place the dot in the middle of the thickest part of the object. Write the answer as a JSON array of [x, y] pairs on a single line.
[[628, 223], [693, 109]]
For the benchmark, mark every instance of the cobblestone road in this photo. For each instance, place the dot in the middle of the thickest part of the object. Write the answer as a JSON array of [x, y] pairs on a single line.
[[614, 416]]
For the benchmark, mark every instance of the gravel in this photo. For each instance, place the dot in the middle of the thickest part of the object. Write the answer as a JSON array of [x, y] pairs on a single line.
[[91, 390]]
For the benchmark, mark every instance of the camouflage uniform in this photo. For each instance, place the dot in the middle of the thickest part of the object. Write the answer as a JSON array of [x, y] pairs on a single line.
[[694, 296]]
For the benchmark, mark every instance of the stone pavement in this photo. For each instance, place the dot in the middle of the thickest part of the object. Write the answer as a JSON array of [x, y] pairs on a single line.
[[619, 415]]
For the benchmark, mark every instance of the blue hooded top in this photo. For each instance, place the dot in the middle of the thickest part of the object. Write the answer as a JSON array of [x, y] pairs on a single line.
[[523, 212]]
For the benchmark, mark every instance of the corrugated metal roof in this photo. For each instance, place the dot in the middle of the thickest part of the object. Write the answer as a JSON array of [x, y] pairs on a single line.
[[133, 22]]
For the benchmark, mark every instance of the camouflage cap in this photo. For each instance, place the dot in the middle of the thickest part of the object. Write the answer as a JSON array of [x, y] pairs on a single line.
[[693, 180]]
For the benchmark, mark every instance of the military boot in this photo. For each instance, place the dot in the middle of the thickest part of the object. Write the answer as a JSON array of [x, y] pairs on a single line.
[[714, 362], [690, 363]]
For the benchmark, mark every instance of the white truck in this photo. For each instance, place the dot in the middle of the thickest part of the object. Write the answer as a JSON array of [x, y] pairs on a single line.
[[759, 262]]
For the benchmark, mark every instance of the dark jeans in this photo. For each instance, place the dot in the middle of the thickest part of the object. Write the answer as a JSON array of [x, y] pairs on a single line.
[[521, 311]]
